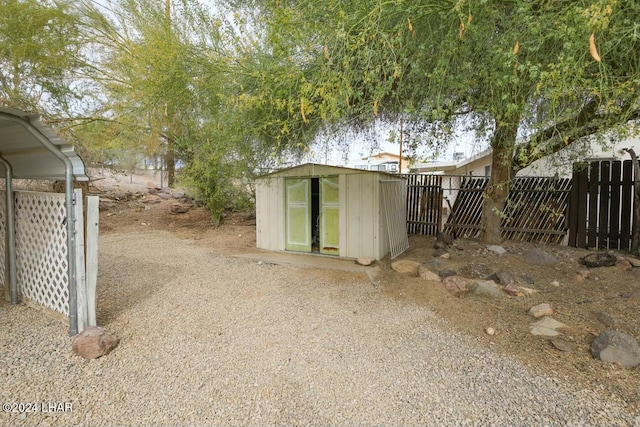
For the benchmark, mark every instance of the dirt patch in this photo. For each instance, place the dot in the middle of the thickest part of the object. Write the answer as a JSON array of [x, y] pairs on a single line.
[[588, 300]]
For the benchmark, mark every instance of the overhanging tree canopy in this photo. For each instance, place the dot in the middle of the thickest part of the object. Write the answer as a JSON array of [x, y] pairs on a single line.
[[544, 73]]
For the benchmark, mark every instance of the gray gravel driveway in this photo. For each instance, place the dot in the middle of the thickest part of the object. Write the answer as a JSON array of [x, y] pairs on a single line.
[[212, 340]]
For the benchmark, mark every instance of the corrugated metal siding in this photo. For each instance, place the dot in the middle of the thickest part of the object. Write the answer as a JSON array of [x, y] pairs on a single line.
[[361, 216], [363, 232], [270, 214]]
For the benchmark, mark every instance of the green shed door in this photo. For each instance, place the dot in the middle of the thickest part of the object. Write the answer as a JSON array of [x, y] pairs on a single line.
[[298, 215], [329, 216]]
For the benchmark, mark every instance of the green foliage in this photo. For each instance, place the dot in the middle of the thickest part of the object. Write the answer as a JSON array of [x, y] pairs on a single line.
[[40, 54]]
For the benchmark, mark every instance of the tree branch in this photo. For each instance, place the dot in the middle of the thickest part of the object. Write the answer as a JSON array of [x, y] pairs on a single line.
[[553, 139]]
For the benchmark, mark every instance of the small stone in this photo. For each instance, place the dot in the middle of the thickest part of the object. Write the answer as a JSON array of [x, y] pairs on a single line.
[[447, 273], [633, 261], [445, 255], [546, 327], [528, 291], [581, 276], [433, 264], [555, 283], [599, 259], [513, 290], [476, 271], [505, 278], [151, 200], [456, 285], [94, 342], [444, 238], [496, 249], [428, 275], [606, 319], [179, 209], [541, 310], [440, 245], [539, 257], [490, 331], [439, 252], [528, 280], [561, 345], [624, 264], [365, 261], [486, 288], [616, 347], [405, 266]]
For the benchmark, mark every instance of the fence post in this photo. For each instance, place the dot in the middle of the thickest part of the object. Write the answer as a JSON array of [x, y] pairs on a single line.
[[81, 291], [92, 257]]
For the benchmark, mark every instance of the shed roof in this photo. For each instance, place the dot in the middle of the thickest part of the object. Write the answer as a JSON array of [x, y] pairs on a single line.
[[314, 169], [28, 145]]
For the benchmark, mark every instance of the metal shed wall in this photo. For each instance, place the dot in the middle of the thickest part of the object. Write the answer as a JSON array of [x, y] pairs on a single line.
[[270, 213], [360, 210], [363, 231]]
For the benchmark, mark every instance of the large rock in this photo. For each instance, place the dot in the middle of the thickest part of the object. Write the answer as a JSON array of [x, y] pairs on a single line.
[[151, 200], [486, 289], [616, 347], [177, 208], [547, 327], [444, 238], [476, 271], [456, 285], [428, 275], [365, 261], [505, 278], [94, 342], [599, 259], [405, 266], [541, 310], [499, 250], [539, 257]]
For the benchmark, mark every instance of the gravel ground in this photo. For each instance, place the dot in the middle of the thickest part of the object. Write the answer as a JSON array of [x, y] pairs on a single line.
[[212, 340]]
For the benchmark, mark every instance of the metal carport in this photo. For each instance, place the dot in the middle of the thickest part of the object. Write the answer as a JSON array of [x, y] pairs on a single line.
[[31, 150]]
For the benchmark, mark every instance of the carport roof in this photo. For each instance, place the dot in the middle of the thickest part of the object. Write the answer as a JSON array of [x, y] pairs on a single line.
[[33, 150]]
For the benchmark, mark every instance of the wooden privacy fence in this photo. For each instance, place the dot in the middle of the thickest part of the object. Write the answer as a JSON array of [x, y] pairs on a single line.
[[536, 207], [466, 212], [536, 210], [601, 213]]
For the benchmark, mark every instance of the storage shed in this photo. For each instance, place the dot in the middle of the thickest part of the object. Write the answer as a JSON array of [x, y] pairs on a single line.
[[332, 210]]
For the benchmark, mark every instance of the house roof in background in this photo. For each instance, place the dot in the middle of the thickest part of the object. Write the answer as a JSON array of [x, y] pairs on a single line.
[[448, 166]]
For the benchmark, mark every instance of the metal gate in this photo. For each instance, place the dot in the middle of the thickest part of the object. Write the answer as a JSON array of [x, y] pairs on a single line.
[[393, 201], [424, 204]]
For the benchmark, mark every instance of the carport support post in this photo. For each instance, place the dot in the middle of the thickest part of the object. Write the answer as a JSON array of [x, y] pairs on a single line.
[[10, 236], [71, 250]]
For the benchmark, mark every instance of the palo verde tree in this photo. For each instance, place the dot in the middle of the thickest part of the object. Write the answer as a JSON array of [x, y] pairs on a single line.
[[41, 57], [147, 75], [532, 77]]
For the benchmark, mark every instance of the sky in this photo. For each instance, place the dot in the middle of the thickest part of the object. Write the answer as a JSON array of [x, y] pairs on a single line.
[[360, 146]]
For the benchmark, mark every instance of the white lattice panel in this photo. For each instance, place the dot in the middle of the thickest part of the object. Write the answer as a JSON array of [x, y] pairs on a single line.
[[41, 249]]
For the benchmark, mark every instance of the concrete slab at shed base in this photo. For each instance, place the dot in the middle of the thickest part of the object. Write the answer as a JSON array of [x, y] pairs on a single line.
[[313, 261]]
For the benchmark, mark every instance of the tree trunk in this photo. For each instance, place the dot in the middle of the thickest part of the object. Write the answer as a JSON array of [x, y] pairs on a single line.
[[170, 161], [503, 143]]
